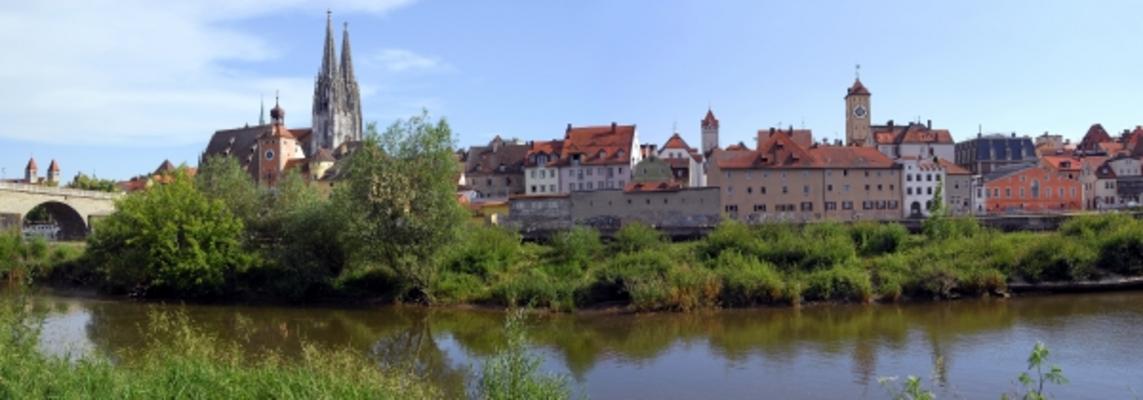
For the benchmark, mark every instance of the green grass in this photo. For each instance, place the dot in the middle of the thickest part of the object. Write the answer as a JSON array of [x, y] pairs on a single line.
[[184, 362]]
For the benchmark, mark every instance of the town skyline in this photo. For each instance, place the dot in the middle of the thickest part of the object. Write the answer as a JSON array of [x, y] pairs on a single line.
[[1003, 76]]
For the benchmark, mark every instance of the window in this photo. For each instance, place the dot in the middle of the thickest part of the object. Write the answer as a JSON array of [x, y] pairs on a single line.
[[785, 190], [806, 189], [829, 205], [749, 190], [729, 189], [909, 191], [829, 188], [845, 188], [588, 171], [532, 174], [552, 188], [866, 188], [929, 177], [908, 177], [759, 208], [879, 188], [1021, 193], [847, 205], [762, 189], [866, 174], [732, 208], [589, 186], [845, 172], [1008, 193], [533, 189], [929, 190], [807, 206], [891, 187], [489, 182]]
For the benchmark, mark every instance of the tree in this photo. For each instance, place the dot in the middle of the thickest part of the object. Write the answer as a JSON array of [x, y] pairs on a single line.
[[398, 200], [84, 182], [169, 240], [222, 178]]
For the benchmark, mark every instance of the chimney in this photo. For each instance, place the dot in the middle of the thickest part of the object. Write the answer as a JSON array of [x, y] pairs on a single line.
[[890, 124], [569, 129], [613, 125], [1013, 134], [929, 124], [979, 135]]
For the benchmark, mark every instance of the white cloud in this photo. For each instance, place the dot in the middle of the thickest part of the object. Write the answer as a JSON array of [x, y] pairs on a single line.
[[401, 60], [139, 72]]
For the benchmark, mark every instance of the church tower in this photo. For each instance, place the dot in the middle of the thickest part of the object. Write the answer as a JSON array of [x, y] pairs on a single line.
[[709, 132], [858, 130], [337, 99]]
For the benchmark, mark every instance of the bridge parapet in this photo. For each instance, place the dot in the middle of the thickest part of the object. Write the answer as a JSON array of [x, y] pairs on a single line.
[[57, 191]]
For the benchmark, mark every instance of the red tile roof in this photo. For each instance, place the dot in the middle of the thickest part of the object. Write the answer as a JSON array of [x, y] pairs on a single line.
[[709, 121], [551, 148], [779, 151], [676, 142], [659, 186], [951, 168], [912, 134], [598, 145], [31, 165], [1063, 163], [803, 137], [1134, 144], [1094, 136], [857, 89], [54, 167]]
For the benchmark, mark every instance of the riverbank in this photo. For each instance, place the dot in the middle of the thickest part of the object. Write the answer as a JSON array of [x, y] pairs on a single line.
[[735, 266]]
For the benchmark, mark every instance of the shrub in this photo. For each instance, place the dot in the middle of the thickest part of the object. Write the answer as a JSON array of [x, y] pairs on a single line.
[[637, 236], [514, 373], [1122, 251], [747, 281], [730, 235], [534, 288], [889, 275], [872, 238], [576, 248], [485, 250], [842, 282], [452, 287], [1091, 226], [1056, 258], [653, 281], [809, 251]]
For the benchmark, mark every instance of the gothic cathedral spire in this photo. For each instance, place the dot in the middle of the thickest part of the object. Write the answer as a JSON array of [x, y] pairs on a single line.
[[337, 99]]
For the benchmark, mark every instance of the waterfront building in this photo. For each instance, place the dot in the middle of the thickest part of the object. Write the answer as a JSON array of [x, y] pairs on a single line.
[[987, 153], [783, 181], [914, 140], [597, 157], [686, 163], [1033, 188], [541, 176], [496, 171], [669, 207]]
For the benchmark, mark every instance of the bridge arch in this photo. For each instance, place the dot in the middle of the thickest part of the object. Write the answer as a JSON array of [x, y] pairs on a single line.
[[72, 224]]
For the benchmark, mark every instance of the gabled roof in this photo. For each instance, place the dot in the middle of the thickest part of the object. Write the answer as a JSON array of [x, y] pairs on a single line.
[[803, 137], [1094, 136], [323, 155], [676, 142], [857, 89], [913, 133], [849, 157], [498, 153], [165, 168], [551, 148], [779, 151], [1063, 163], [709, 121], [598, 145], [238, 143], [1134, 145], [951, 168]]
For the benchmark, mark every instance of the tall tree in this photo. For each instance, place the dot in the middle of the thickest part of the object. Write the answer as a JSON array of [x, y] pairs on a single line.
[[222, 178], [399, 200]]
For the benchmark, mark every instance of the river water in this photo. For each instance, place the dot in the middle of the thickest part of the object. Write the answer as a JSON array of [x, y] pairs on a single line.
[[965, 349]]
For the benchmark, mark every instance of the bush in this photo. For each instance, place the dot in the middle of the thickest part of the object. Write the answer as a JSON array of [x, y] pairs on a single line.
[[652, 281], [452, 287], [534, 288], [1122, 251], [484, 250], [730, 235], [514, 373], [747, 281], [872, 238], [889, 275], [815, 248], [636, 237], [169, 240], [1056, 258], [842, 282], [576, 248]]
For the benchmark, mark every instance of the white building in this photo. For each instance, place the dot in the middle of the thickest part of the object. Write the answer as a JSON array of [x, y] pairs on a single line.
[[541, 175], [597, 157]]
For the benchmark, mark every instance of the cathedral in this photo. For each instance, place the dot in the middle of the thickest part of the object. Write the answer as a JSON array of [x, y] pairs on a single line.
[[267, 151]]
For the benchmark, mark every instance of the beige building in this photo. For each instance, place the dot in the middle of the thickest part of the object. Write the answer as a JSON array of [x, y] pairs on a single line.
[[496, 171], [782, 181]]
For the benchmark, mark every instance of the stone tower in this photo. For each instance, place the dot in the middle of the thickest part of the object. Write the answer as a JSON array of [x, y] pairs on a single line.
[[54, 173], [709, 132], [31, 172], [337, 99], [858, 131]]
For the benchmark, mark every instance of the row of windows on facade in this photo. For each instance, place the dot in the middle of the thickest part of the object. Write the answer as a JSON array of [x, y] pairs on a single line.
[[928, 177], [580, 172], [551, 204], [806, 190], [928, 190], [995, 192], [805, 173], [829, 206]]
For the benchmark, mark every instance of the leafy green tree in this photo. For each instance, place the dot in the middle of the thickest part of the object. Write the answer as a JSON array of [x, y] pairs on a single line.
[[636, 237], [169, 240], [305, 247], [222, 178], [398, 200], [84, 182]]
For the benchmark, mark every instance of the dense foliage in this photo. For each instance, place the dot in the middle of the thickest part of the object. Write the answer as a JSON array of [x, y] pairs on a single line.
[[84, 182]]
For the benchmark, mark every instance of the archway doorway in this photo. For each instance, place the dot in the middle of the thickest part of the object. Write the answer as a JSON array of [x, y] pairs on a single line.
[[55, 221], [915, 210]]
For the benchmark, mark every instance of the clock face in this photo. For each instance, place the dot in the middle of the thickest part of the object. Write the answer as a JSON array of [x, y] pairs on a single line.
[[269, 154], [859, 112]]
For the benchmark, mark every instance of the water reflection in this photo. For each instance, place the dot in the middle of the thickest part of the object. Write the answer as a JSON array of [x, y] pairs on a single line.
[[970, 348]]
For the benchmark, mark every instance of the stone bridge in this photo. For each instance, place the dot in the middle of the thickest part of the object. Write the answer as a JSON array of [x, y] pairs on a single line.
[[72, 209]]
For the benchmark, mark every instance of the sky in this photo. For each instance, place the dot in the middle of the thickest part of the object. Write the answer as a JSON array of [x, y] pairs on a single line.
[[115, 87]]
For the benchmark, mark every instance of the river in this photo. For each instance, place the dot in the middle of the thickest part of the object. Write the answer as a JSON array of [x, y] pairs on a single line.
[[966, 349]]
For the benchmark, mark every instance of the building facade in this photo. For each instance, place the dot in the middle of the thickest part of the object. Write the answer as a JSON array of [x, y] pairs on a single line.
[[598, 157], [496, 171], [914, 140], [541, 175], [782, 181], [1034, 188], [858, 128], [337, 98]]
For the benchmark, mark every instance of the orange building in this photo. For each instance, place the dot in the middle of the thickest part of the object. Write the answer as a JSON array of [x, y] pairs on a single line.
[[1033, 189]]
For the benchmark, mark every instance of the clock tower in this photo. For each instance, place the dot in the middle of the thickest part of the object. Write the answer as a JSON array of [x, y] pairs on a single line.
[[858, 130]]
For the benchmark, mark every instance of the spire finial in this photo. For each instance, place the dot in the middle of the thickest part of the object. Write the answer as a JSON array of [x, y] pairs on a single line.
[[857, 72], [261, 109]]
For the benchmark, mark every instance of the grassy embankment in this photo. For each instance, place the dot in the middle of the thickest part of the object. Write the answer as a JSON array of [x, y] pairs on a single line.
[[740, 266]]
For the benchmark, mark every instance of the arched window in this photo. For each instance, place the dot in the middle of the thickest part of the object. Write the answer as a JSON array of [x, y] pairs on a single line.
[[1035, 189]]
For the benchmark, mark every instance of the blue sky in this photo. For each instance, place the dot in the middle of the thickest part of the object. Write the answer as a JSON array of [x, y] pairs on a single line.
[[115, 87]]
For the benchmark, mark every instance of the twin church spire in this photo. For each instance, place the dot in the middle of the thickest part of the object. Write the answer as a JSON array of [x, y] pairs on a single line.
[[337, 98]]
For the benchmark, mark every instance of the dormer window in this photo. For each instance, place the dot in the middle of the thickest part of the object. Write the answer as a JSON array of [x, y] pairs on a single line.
[[619, 154], [602, 154]]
